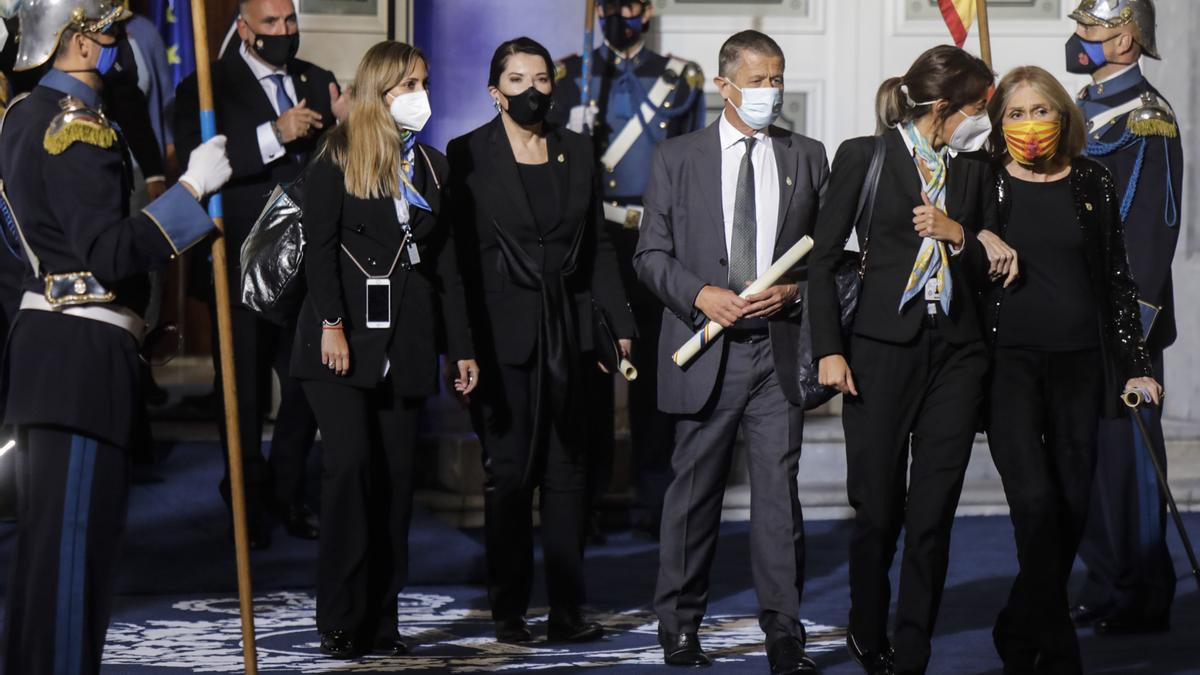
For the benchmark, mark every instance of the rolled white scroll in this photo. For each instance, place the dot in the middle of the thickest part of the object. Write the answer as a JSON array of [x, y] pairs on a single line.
[[627, 370], [712, 329]]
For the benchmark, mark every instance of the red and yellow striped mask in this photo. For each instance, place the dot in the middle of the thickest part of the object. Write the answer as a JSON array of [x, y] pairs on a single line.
[[1032, 141]]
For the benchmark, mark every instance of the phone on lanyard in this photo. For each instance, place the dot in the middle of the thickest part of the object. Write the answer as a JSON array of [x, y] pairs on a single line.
[[379, 303]]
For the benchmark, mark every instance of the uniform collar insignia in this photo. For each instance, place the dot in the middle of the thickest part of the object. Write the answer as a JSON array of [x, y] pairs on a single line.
[[1126, 80]]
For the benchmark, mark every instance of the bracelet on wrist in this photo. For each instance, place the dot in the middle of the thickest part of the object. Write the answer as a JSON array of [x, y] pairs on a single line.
[[332, 325]]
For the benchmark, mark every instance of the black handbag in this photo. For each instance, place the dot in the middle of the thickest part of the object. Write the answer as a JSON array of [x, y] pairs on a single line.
[[848, 277], [273, 257]]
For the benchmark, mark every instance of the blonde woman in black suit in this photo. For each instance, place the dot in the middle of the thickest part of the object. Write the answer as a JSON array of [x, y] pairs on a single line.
[[383, 282]]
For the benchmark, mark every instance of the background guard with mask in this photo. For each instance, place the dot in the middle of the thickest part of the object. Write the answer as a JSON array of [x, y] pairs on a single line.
[[640, 99]]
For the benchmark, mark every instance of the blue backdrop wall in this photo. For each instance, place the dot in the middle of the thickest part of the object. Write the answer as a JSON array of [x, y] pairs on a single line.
[[459, 37]]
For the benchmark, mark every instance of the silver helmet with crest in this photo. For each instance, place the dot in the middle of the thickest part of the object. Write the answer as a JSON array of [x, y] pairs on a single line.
[[1116, 13], [43, 23]]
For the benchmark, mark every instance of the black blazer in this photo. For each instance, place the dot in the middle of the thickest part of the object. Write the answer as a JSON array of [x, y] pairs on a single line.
[[894, 245], [486, 193], [1097, 208], [426, 297], [241, 106]]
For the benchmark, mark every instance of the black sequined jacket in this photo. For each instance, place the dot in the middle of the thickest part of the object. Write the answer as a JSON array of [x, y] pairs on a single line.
[[1097, 209]]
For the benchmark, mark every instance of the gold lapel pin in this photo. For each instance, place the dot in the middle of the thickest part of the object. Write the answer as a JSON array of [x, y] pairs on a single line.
[[789, 181], [1088, 206], [304, 78], [561, 158]]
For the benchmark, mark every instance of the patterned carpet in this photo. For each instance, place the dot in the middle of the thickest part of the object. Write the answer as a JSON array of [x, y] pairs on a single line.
[[176, 611]]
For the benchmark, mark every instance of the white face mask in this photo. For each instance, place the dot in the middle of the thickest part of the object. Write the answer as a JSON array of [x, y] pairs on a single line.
[[971, 133], [760, 105], [411, 111]]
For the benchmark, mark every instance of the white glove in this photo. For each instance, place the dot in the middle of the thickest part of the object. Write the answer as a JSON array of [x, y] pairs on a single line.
[[208, 168], [582, 116]]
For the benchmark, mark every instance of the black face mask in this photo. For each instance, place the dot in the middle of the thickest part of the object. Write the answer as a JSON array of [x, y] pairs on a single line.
[[622, 33], [529, 107], [276, 50], [1084, 56]]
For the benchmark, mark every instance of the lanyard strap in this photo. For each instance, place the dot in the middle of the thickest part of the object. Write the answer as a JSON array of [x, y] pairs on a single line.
[[395, 261]]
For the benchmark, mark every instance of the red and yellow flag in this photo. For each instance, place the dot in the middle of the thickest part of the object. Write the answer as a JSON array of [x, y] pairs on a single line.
[[959, 15]]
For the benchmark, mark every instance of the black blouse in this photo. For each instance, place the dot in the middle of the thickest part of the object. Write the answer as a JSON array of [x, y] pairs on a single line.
[[541, 189], [1052, 306]]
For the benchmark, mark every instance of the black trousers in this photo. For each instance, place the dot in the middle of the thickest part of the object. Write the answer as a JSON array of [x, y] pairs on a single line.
[[651, 431], [369, 440], [72, 499], [1125, 541], [747, 397], [502, 413], [921, 399], [1044, 408], [258, 348]]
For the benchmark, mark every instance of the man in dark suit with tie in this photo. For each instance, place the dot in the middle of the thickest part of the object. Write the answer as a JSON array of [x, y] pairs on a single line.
[[722, 204], [274, 108]]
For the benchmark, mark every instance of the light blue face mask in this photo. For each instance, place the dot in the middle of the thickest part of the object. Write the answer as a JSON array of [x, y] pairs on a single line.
[[760, 107], [108, 57]]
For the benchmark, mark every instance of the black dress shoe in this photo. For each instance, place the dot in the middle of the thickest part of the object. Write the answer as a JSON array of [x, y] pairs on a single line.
[[1123, 624], [787, 657], [337, 643], [513, 631], [1086, 615], [395, 645], [568, 625], [873, 662], [683, 649], [301, 522]]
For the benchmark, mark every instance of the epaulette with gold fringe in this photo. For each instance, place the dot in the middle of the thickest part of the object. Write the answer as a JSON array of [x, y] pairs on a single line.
[[1154, 118], [77, 123], [560, 69], [694, 75]]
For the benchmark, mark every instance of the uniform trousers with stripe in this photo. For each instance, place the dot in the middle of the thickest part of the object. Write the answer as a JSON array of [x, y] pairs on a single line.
[[72, 494]]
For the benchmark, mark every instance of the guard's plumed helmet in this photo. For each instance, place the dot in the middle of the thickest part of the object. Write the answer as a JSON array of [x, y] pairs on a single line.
[[1114, 13], [43, 23]]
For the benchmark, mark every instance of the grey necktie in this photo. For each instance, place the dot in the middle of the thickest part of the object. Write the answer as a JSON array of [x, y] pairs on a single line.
[[743, 266]]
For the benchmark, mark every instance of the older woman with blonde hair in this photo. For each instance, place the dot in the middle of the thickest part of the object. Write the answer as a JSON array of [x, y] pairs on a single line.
[[383, 282], [1067, 340]]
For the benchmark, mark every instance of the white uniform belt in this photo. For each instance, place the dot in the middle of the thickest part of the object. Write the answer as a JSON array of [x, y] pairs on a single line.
[[1105, 118], [629, 217], [632, 130], [113, 315]]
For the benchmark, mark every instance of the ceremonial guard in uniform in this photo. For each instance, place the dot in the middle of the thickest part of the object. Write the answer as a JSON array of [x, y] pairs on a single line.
[[1133, 132], [71, 367], [638, 99]]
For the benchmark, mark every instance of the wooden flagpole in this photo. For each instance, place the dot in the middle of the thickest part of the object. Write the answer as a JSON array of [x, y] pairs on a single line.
[[985, 36], [241, 542]]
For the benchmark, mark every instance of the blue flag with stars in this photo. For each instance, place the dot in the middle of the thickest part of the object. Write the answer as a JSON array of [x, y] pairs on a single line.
[[173, 18]]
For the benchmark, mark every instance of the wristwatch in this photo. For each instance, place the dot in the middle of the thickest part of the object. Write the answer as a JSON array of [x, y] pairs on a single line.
[[278, 136]]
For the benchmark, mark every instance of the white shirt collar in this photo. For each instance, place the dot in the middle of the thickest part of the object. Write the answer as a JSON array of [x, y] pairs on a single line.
[[261, 70], [730, 135], [1120, 72]]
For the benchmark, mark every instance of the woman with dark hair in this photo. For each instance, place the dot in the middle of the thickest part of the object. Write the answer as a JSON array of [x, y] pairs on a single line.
[[383, 283], [535, 258], [1067, 341], [914, 364]]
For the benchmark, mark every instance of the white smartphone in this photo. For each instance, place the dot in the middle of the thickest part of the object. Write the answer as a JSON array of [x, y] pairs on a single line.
[[379, 303]]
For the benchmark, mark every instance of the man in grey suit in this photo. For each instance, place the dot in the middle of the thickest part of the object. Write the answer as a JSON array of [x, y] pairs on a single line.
[[722, 204]]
